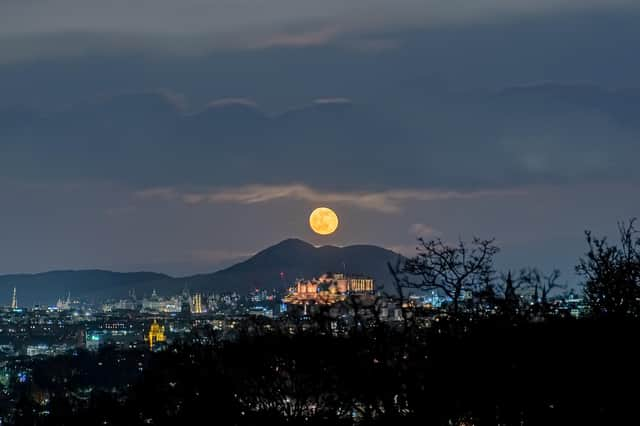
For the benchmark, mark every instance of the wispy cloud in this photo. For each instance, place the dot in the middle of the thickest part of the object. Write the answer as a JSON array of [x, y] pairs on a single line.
[[424, 231], [218, 103], [301, 39], [388, 201], [220, 255], [331, 101]]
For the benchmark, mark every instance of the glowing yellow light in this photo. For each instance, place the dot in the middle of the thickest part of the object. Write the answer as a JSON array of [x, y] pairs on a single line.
[[323, 221], [156, 334]]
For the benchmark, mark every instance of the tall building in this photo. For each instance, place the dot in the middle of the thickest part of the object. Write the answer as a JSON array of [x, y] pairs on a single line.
[[14, 300], [197, 303]]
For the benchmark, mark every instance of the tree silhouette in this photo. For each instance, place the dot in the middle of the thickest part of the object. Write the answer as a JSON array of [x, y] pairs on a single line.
[[451, 269], [612, 273], [541, 285]]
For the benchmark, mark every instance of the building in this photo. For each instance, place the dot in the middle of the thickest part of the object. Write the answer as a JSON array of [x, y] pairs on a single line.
[[197, 304], [159, 304], [14, 300], [64, 305], [156, 334], [329, 289], [125, 305], [261, 311]]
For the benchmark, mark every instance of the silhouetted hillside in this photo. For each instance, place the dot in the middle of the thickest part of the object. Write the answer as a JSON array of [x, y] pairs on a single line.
[[295, 258]]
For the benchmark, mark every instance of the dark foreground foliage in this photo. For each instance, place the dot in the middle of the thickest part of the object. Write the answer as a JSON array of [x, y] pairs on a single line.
[[487, 373]]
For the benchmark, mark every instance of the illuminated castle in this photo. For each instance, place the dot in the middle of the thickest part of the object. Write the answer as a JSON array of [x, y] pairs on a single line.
[[156, 334], [329, 289]]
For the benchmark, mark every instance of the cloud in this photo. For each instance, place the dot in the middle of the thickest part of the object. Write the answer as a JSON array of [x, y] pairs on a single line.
[[373, 44], [202, 16], [224, 102], [424, 231], [34, 27], [388, 201], [300, 39], [332, 101], [220, 255]]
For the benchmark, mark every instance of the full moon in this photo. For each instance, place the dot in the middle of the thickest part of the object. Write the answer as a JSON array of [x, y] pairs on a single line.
[[323, 221]]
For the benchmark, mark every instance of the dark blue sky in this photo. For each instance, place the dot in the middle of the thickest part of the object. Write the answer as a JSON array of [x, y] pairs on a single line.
[[182, 136]]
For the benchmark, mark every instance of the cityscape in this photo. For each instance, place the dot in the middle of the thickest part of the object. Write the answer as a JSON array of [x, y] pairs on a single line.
[[130, 323], [319, 213]]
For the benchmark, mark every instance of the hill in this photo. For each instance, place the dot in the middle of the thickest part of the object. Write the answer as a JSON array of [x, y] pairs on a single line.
[[298, 259], [274, 267], [45, 288]]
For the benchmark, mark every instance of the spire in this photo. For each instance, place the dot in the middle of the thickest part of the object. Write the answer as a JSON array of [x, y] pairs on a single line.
[[510, 296]]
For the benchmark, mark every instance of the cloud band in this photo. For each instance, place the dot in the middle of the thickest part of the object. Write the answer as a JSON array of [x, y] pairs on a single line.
[[387, 201]]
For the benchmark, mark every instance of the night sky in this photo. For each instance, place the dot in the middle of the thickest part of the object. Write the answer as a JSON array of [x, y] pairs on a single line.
[[182, 136]]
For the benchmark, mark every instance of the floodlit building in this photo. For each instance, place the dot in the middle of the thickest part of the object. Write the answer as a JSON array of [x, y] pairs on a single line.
[[156, 303], [64, 305], [197, 304], [329, 289], [156, 334]]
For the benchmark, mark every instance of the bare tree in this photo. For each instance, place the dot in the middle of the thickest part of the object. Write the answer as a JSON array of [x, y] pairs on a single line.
[[541, 284], [549, 284], [612, 273], [398, 279], [531, 279], [451, 269]]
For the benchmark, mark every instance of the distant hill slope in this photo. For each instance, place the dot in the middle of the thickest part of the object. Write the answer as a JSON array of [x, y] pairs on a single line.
[[298, 259], [47, 287], [295, 258]]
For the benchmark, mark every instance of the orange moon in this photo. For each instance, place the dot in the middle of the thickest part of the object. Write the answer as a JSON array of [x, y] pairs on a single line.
[[323, 221]]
